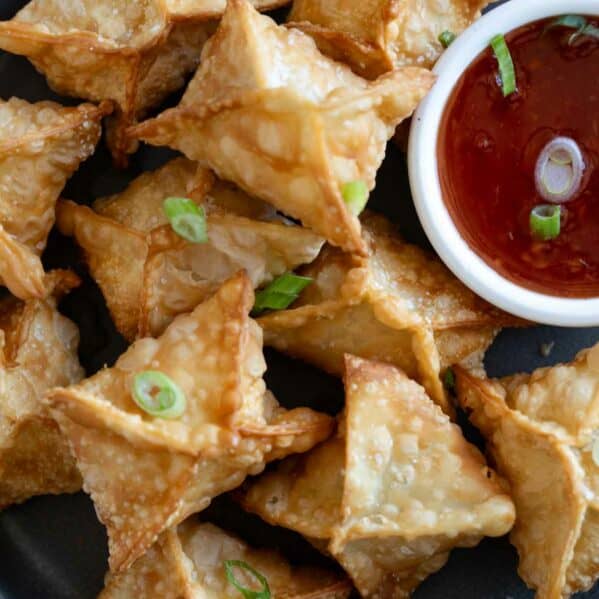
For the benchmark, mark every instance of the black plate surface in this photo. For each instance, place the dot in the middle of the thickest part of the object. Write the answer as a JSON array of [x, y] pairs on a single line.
[[54, 547]]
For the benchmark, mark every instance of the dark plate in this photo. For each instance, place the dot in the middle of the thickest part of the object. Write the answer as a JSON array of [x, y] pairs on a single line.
[[54, 547]]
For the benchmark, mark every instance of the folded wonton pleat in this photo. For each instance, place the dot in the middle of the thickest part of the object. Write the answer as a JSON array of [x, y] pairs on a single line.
[[188, 562], [284, 122], [541, 431], [38, 351], [41, 145], [375, 36], [148, 274], [146, 474], [179, 274], [133, 53], [394, 492], [115, 257], [398, 305]]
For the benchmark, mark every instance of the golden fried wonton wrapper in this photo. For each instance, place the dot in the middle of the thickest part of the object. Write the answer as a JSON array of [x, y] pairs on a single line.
[[133, 53], [41, 145], [542, 431], [375, 36], [202, 9], [38, 351], [398, 305], [149, 274], [187, 563], [286, 123], [394, 492], [147, 473]]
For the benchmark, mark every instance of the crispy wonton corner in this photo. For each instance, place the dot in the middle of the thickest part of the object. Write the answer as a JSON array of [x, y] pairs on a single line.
[[284, 122], [38, 351], [398, 305], [540, 431], [187, 561], [393, 492], [41, 146]]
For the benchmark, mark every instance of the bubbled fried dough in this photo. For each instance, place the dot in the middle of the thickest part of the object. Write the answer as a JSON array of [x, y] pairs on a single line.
[[398, 305], [38, 351], [149, 275], [393, 492], [145, 473], [541, 431], [188, 562], [375, 36], [41, 145], [284, 122], [132, 53]]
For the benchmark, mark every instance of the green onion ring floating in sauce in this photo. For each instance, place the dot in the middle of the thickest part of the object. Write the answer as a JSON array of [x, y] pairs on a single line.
[[559, 170], [577, 22], [507, 71], [545, 221]]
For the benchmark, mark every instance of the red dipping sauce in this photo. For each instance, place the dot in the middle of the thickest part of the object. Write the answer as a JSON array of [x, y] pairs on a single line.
[[488, 147]]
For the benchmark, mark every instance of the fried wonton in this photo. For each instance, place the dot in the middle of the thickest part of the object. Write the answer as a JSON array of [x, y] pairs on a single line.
[[375, 36], [188, 562], [132, 53], [41, 145], [148, 274], [146, 473], [202, 9], [393, 493], [542, 431], [38, 351], [398, 305], [284, 122]]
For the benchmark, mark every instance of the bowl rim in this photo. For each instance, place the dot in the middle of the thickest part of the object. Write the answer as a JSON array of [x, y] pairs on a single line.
[[455, 252]]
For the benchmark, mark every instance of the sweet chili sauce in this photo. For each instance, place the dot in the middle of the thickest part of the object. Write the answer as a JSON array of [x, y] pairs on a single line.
[[488, 146]]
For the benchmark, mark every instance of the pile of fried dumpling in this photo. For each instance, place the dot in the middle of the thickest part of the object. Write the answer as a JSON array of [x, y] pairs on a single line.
[[258, 233]]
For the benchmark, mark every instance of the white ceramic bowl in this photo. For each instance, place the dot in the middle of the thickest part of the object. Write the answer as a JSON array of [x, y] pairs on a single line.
[[424, 179]]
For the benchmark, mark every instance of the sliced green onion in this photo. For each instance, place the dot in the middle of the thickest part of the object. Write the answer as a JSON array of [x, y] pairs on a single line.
[[559, 170], [591, 31], [578, 22], [281, 293], [273, 300], [355, 195], [545, 221], [449, 379], [588, 31], [446, 38], [289, 284], [557, 178], [158, 395], [507, 71], [187, 219], [595, 452], [263, 593], [545, 349], [560, 156], [571, 21]]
